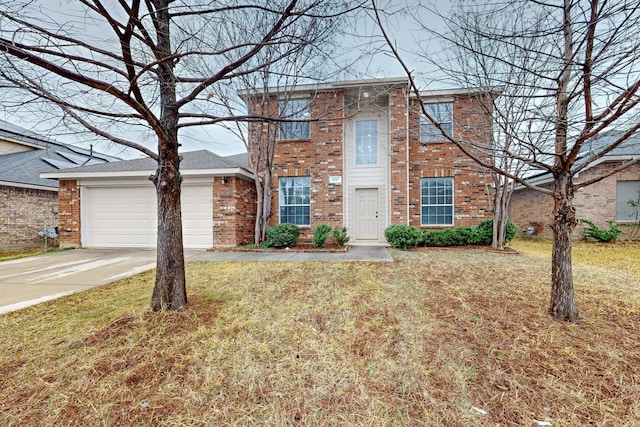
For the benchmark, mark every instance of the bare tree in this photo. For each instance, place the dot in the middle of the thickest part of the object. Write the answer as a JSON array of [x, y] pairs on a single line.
[[267, 95], [573, 68], [152, 67]]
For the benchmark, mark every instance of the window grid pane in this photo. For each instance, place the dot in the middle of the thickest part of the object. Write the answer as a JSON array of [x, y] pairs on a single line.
[[295, 200], [294, 109], [441, 113], [367, 142], [436, 201]]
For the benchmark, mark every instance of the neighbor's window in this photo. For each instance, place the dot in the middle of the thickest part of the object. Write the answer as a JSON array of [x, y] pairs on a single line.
[[366, 142], [294, 109], [436, 201], [441, 113], [625, 191], [295, 200]]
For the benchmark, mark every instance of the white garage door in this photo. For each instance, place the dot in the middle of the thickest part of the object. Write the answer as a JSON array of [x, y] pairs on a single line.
[[125, 216]]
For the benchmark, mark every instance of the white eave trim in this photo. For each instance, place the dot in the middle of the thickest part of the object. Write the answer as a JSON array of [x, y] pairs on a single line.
[[24, 143], [450, 93], [327, 87], [240, 172], [30, 186]]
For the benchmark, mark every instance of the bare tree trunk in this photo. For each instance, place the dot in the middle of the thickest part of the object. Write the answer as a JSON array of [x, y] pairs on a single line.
[[563, 302], [500, 203], [266, 200], [257, 232], [170, 291]]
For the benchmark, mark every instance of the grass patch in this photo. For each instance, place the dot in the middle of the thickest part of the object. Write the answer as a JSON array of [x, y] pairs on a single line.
[[420, 341], [9, 254]]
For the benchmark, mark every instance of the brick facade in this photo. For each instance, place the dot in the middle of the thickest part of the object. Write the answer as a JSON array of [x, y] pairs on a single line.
[[407, 159], [472, 184], [596, 202], [24, 212], [69, 213], [234, 211], [318, 158]]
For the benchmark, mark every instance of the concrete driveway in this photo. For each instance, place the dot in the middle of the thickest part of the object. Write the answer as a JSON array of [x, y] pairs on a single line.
[[31, 280]]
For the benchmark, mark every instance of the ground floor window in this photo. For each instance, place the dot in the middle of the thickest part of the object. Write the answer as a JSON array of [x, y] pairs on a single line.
[[295, 200], [626, 191], [436, 201]]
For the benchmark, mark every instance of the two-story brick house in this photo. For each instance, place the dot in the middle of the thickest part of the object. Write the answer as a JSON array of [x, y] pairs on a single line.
[[354, 153], [361, 154]]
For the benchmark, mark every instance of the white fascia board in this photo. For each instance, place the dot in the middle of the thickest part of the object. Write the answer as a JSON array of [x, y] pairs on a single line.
[[326, 87], [23, 143], [30, 186], [61, 174], [450, 93]]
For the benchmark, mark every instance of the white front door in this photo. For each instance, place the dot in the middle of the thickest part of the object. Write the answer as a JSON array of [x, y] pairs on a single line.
[[366, 214]]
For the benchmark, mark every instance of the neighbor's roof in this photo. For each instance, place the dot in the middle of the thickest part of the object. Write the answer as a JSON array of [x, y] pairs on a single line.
[[628, 150], [23, 136], [23, 169], [202, 161]]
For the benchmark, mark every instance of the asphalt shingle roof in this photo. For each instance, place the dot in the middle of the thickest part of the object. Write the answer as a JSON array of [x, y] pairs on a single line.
[[25, 167], [191, 160]]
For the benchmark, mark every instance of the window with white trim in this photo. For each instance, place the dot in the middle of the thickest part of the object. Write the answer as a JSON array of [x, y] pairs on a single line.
[[294, 109], [295, 200], [436, 201], [442, 113], [625, 191], [366, 142]]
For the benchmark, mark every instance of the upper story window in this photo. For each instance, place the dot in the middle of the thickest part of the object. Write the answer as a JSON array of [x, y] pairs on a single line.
[[366, 142], [441, 113], [295, 200], [294, 109]]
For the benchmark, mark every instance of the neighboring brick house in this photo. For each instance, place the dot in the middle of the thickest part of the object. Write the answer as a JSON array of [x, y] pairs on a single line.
[[367, 158], [28, 203], [600, 202]]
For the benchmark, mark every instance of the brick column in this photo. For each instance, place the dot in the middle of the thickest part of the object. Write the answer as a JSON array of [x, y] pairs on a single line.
[[234, 212], [69, 214], [398, 140]]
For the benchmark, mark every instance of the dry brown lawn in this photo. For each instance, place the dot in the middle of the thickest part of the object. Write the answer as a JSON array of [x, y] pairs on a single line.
[[437, 338]]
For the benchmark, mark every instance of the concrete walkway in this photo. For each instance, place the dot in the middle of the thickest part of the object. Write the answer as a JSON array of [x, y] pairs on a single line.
[[355, 253]]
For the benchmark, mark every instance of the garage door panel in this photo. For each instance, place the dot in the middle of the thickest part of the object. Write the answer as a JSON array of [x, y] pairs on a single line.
[[125, 216]]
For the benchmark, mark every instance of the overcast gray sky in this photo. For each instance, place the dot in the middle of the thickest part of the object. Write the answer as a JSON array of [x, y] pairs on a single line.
[[215, 138]]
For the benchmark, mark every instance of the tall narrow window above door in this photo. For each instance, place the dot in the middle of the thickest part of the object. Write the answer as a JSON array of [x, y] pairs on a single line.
[[366, 142]]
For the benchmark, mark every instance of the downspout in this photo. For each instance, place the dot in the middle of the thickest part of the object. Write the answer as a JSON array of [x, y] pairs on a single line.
[[406, 133]]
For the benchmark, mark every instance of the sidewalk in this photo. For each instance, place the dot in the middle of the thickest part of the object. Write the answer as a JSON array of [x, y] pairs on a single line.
[[355, 253]]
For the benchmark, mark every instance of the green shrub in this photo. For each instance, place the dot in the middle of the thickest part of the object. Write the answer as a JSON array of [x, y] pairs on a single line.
[[459, 236], [340, 234], [485, 231], [320, 235], [403, 236], [283, 235], [601, 235]]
